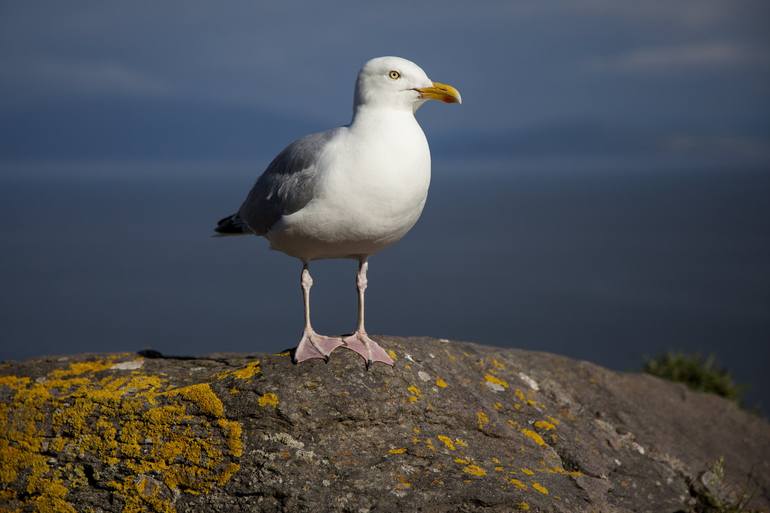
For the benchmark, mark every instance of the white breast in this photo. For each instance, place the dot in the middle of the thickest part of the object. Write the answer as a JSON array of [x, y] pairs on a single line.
[[374, 184]]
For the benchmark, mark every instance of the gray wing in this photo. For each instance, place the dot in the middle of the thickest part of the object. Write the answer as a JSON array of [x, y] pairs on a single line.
[[287, 185]]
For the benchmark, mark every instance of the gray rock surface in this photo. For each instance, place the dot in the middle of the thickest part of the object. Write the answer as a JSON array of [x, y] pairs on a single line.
[[454, 427]]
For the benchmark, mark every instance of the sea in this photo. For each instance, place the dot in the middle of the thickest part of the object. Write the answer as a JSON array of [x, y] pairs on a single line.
[[614, 264]]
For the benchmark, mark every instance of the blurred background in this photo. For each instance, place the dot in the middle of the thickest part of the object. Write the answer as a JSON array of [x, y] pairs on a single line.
[[603, 192]]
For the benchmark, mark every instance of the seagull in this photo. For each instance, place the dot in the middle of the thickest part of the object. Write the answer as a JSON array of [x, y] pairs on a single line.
[[348, 192]]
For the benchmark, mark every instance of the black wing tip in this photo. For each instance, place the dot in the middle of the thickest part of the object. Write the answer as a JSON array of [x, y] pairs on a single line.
[[232, 225]]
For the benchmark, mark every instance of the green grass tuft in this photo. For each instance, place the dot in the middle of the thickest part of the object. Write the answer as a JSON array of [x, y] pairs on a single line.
[[697, 372], [713, 495]]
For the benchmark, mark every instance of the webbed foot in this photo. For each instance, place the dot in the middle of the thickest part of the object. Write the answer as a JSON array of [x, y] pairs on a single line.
[[369, 350], [314, 345]]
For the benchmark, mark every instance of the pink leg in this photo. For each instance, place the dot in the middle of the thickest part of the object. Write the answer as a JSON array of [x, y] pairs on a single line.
[[312, 344], [359, 341]]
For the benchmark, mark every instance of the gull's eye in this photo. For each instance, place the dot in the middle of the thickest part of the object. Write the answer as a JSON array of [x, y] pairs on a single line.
[[395, 75]]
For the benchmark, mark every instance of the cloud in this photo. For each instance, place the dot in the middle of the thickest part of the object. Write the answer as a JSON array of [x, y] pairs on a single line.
[[680, 58], [520, 65]]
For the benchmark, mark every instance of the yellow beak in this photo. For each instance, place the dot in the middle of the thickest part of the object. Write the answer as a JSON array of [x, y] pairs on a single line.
[[443, 92]]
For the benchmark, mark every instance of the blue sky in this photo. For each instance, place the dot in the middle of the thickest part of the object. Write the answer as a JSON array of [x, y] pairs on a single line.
[[684, 82], [128, 103]]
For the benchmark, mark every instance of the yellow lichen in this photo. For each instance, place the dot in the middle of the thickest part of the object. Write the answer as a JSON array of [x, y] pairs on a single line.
[[489, 378], [481, 419], [521, 485], [268, 399], [400, 450], [203, 396], [544, 425], [233, 432], [402, 484], [475, 470], [441, 383], [447, 441], [498, 406], [540, 488], [534, 437], [78, 368], [499, 469], [564, 472], [131, 419], [13, 382], [414, 390], [497, 365], [248, 371], [462, 461], [460, 442], [520, 395], [392, 354], [523, 506], [527, 471], [229, 471]]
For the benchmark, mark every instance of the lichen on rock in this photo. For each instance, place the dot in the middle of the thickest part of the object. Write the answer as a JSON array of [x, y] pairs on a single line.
[[138, 428], [452, 427]]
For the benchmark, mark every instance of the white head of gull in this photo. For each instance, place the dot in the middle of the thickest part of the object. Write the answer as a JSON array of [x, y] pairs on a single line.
[[350, 191]]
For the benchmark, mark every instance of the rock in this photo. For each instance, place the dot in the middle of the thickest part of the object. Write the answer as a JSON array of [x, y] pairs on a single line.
[[454, 427]]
